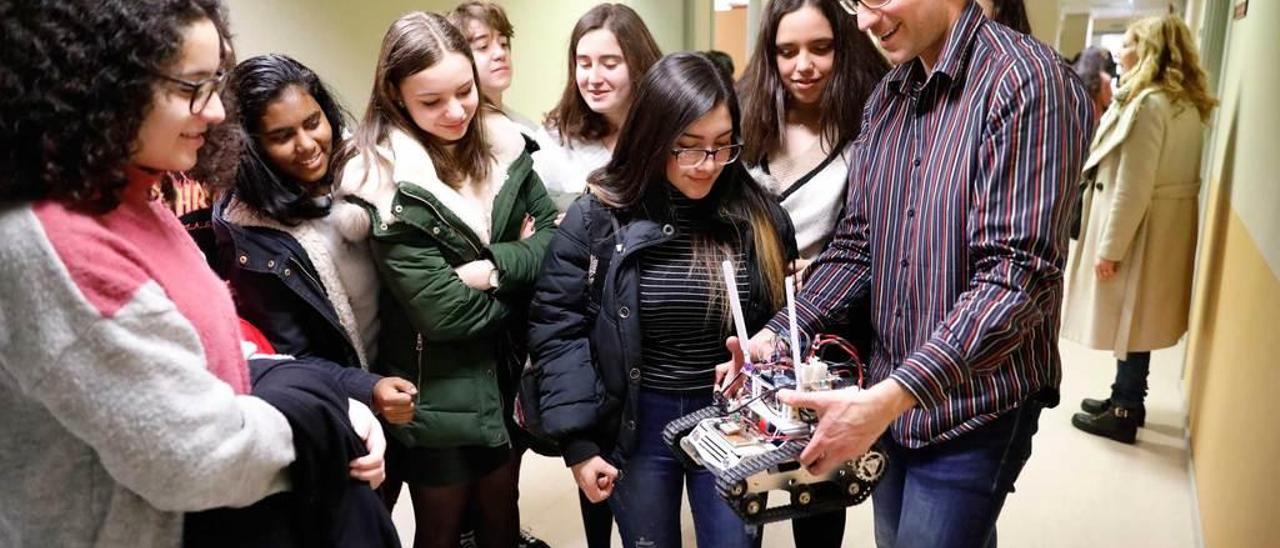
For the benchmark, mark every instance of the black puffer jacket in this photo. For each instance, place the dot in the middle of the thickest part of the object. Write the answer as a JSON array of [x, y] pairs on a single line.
[[588, 361]]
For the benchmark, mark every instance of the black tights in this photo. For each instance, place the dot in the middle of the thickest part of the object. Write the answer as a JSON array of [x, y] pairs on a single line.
[[438, 511], [597, 521]]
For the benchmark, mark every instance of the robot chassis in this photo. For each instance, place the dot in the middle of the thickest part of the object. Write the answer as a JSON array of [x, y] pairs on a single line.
[[750, 441]]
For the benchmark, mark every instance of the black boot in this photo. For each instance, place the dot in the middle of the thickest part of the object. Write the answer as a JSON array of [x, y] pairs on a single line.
[[1118, 423], [527, 540], [1094, 407]]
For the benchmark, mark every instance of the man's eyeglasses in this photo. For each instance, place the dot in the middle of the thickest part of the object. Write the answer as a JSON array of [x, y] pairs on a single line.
[[201, 92], [690, 157], [852, 6]]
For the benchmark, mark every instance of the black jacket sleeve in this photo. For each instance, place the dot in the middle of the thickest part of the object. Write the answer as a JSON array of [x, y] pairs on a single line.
[[325, 506], [570, 390], [356, 383], [281, 316]]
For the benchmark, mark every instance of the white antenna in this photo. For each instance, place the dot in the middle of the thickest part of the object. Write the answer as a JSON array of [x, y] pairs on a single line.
[[790, 283], [735, 303]]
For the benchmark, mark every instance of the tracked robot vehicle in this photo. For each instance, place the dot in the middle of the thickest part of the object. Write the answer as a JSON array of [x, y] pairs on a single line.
[[750, 441]]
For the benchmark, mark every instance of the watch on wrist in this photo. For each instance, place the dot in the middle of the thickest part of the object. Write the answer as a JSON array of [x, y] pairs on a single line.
[[493, 278]]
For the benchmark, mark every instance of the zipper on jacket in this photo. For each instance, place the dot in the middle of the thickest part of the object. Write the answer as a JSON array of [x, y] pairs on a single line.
[[621, 253], [418, 348]]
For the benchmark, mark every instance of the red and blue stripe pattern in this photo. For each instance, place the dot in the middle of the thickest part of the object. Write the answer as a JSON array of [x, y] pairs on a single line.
[[956, 228]]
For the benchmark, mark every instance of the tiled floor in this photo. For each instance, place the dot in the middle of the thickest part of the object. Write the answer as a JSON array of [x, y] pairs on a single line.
[[1077, 490]]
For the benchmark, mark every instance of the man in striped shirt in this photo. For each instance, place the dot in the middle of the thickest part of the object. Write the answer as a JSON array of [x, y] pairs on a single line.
[[955, 229]]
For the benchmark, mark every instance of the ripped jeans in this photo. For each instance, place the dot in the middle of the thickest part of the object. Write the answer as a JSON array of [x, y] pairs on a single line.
[[647, 498]]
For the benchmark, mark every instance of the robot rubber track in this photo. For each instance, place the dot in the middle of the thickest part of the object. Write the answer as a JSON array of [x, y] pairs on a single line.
[[679, 428]]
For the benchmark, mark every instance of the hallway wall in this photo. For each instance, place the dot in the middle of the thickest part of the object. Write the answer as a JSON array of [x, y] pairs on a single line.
[[1233, 369], [1044, 18], [339, 39], [1073, 33]]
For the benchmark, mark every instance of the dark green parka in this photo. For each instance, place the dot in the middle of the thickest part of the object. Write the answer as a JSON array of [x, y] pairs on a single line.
[[461, 346]]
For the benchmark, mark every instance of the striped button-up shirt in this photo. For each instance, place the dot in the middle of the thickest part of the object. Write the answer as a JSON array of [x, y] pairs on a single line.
[[955, 228]]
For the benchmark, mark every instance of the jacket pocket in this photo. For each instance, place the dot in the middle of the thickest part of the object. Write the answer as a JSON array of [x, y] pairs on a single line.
[[437, 429]]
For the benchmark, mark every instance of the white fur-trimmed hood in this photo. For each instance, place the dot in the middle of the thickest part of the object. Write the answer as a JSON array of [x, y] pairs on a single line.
[[344, 215], [410, 164]]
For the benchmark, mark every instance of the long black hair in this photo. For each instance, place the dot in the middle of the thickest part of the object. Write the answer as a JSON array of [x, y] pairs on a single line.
[[256, 83], [76, 80], [677, 91]]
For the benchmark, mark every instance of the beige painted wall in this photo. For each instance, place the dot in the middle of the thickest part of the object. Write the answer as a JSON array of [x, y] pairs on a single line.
[[1233, 368], [1043, 15], [336, 38], [699, 24], [1073, 34], [1235, 444], [339, 39]]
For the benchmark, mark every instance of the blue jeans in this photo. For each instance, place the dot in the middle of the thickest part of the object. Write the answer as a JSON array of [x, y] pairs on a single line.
[[647, 498], [950, 494]]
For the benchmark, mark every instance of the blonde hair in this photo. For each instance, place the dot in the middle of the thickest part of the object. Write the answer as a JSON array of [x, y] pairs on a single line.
[[1167, 59]]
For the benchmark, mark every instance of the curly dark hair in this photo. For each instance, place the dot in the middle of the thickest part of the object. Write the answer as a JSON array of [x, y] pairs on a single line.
[[256, 83], [77, 77]]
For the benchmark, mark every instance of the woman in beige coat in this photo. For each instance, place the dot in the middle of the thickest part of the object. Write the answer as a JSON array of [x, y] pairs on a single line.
[[1129, 285]]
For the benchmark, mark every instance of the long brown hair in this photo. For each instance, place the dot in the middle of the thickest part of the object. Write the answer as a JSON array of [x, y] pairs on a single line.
[[677, 91], [857, 68], [415, 42], [571, 117]]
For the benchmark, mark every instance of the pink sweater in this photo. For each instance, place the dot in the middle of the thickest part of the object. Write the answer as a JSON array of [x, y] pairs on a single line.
[[109, 257], [121, 381]]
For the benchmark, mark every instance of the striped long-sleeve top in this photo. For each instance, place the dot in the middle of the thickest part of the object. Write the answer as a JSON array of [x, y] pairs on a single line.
[[684, 323], [956, 228]]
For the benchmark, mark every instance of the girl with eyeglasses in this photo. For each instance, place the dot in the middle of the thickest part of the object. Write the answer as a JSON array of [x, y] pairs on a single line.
[[613, 373], [123, 381]]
